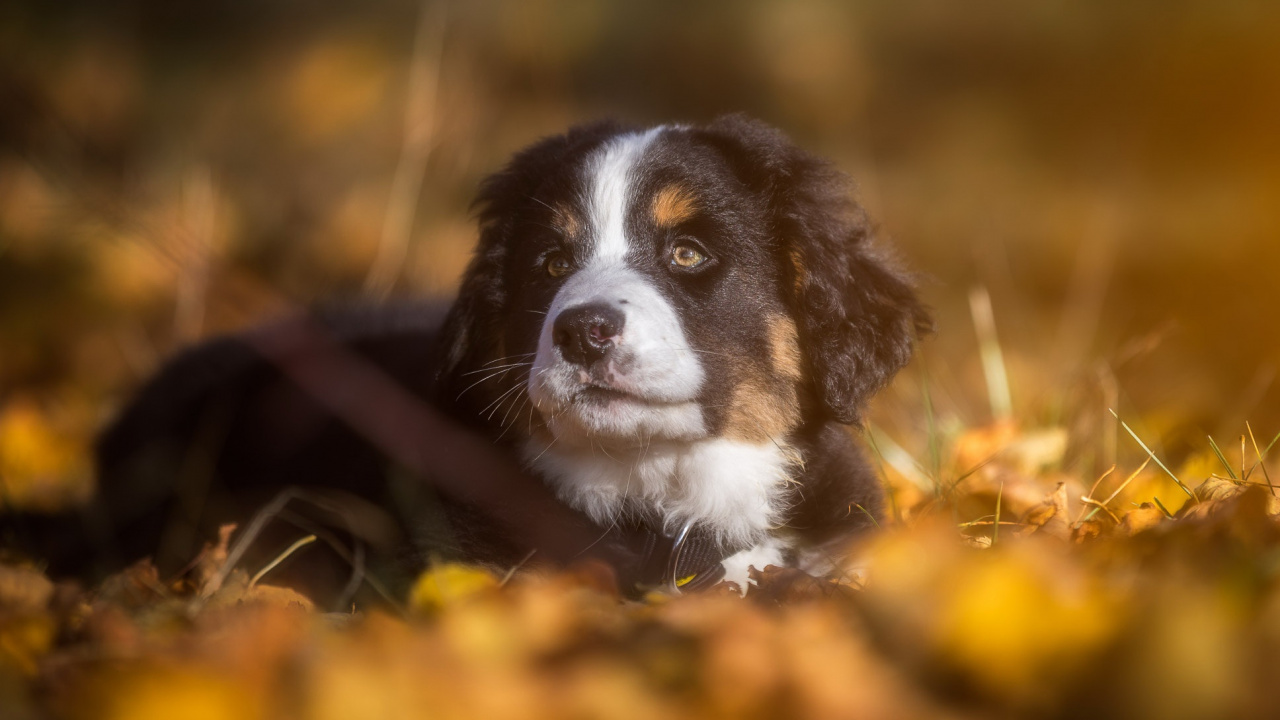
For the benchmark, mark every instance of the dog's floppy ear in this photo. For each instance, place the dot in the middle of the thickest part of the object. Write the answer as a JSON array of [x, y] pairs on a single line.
[[857, 314]]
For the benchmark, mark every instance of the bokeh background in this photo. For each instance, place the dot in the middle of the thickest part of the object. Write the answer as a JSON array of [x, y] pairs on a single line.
[[1108, 174]]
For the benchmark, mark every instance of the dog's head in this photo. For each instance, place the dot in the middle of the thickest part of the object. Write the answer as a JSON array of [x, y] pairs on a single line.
[[678, 283]]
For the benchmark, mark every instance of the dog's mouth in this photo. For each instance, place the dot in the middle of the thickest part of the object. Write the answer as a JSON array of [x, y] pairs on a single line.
[[597, 394], [608, 387], [597, 411]]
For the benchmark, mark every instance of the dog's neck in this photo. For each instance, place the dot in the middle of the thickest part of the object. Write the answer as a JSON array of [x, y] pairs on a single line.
[[734, 489]]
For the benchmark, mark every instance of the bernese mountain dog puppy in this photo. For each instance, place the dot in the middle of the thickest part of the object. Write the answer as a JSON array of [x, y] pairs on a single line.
[[670, 329]]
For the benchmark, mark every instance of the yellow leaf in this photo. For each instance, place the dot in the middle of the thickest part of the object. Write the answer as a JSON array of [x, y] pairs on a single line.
[[40, 464], [1011, 624], [447, 584], [165, 693]]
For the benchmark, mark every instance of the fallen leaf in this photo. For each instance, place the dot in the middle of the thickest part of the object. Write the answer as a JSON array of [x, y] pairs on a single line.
[[1049, 517], [1092, 529], [136, 586], [24, 589], [776, 584], [212, 558], [446, 584], [24, 639], [1145, 517]]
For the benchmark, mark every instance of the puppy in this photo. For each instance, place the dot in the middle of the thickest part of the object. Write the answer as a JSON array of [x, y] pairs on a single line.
[[668, 328]]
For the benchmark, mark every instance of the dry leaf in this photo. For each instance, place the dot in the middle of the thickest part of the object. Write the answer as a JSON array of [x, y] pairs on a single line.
[[212, 557], [24, 589], [1091, 529], [1145, 517], [1049, 517]]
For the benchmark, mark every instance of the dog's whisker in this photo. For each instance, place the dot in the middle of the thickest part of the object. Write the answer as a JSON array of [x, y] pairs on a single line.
[[500, 367], [516, 404], [524, 403], [551, 444], [483, 379], [494, 404], [509, 357], [503, 424]]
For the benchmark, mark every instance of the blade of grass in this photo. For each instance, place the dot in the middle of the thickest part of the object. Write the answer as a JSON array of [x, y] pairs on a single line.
[[870, 517], [1244, 474], [303, 542], [1103, 505], [1263, 465], [983, 522], [1221, 458], [935, 446], [1081, 518], [1143, 445], [995, 530], [899, 459], [1163, 509], [969, 473], [991, 354], [884, 478]]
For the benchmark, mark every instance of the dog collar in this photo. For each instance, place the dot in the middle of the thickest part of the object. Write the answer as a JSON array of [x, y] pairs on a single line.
[[689, 559]]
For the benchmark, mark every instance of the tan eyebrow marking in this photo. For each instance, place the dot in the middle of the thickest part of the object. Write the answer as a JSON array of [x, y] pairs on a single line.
[[566, 220], [672, 205]]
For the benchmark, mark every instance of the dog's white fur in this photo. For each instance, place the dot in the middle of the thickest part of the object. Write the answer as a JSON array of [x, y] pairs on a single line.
[[612, 172], [733, 488], [737, 566], [648, 452]]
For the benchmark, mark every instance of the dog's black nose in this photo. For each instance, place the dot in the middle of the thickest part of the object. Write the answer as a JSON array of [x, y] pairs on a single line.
[[586, 333]]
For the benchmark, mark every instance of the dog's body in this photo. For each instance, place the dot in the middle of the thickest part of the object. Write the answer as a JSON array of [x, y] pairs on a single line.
[[667, 327]]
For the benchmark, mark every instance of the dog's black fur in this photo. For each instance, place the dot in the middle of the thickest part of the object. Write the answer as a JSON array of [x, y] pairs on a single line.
[[227, 425]]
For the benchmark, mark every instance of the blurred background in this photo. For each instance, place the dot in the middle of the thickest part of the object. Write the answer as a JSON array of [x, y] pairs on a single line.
[[1106, 174]]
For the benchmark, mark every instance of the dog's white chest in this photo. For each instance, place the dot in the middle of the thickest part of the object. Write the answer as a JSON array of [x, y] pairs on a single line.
[[732, 488]]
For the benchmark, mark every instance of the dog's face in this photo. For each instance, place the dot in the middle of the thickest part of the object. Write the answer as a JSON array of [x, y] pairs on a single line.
[[678, 283]]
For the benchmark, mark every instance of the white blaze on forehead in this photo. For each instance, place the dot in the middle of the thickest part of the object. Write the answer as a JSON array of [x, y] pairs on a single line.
[[612, 180]]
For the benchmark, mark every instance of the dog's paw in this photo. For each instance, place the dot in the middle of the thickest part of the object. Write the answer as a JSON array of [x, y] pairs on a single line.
[[737, 566]]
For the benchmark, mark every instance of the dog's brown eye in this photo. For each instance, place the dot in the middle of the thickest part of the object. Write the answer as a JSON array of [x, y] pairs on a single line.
[[557, 265], [687, 257]]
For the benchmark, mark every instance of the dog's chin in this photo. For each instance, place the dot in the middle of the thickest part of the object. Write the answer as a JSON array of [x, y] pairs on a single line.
[[597, 414]]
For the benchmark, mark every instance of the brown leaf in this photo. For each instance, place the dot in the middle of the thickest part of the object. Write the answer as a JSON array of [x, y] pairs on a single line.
[[1220, 495], [136, 586], [788, 585], [212, 558], [1050, 516], [1092, 529], [24, 639], [236, 590], [24, 588], [1216, 488], [1145, 517]]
